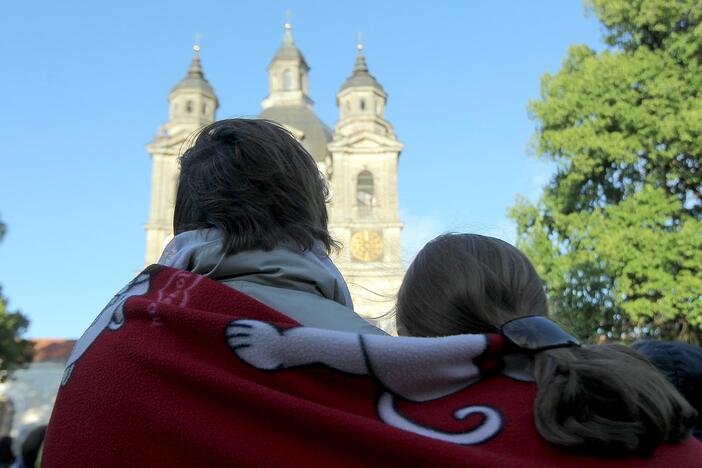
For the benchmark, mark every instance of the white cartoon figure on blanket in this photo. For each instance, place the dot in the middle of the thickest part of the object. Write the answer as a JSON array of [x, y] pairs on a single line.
[[417, 369], [111, 318]]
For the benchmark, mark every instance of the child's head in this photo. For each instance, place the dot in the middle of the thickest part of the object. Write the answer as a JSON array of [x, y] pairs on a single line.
[[467, 283]]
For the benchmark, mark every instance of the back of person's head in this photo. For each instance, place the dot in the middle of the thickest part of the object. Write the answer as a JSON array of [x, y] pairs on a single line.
[[681, 363], [32, 444], [6, 455], [605, 400], [252, 180]]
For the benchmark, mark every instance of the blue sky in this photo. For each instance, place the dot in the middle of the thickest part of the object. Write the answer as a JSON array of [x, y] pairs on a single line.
[[85, 85]]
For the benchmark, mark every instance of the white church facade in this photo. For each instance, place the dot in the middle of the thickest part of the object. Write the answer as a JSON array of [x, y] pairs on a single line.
[[359, 158]]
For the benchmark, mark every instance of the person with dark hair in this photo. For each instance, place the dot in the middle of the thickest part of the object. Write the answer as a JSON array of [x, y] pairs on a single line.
[[7, 458], [251, 235], [251, 213], [596, 400], [681, 363], [31, 447]]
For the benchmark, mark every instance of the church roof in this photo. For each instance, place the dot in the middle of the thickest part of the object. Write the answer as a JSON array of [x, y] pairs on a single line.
[[315, 134], [195, 79], [361, 76], [289, 51], [52, 350]]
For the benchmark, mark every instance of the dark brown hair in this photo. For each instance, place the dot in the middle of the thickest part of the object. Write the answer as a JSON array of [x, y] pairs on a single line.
[[252, 180], [607, 400]]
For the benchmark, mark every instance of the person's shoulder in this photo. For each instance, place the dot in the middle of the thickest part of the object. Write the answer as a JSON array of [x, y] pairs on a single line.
[[307, 309]]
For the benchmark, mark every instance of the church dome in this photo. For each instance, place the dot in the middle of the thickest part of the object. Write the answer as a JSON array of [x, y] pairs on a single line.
[[288, 103], [313, 133], [361, 76], [288, 51], [195, 79]]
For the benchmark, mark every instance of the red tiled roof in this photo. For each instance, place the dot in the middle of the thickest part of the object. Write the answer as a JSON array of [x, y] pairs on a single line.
[[52, 350]]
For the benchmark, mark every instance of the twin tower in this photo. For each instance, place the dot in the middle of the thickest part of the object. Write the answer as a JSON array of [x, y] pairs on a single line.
[[359, 157]]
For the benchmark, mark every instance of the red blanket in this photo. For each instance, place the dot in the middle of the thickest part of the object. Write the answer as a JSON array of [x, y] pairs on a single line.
[[179, 370]]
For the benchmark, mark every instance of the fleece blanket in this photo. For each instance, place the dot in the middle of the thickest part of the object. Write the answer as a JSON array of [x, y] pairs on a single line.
[[179, 370]]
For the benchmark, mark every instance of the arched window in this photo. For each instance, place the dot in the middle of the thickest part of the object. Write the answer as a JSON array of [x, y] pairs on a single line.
[[365, 192], [363, 104], [287, 80], [204, 108], [348, 106], [189, 107]]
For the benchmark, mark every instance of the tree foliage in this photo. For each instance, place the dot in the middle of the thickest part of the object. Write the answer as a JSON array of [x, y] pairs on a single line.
[[14, 351], [617, 232]]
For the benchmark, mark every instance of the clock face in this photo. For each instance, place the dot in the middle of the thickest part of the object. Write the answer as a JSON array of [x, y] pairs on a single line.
[[366, 246]]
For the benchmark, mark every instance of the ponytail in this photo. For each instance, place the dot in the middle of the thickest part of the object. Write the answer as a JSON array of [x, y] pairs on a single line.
[[607, 400]]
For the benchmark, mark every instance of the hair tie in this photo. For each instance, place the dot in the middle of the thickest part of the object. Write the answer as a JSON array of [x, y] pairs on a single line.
[[535, 333]]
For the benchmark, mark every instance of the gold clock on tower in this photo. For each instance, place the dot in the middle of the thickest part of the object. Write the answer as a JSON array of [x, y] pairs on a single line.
[[366, 246]]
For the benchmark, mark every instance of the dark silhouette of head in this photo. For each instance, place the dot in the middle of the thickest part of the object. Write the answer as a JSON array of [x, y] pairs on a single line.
[[6, 455], [32, 444]]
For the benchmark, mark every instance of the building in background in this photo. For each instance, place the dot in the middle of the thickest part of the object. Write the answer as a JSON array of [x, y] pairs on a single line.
[[27, 397], [359, 158]]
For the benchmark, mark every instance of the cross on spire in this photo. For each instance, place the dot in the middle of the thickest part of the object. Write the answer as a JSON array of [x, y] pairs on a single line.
[[360, 67], [195, 69], [196, 45], [288, 39]]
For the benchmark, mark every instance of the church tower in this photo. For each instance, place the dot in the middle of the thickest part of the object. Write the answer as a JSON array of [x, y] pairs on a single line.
[[287, 75], [364, 213], [192, 105], [288, 101]]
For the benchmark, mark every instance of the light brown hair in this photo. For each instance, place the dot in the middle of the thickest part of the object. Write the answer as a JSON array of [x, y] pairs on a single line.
[[607, 400]]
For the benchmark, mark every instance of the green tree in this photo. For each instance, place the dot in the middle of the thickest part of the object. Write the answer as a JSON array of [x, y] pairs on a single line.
[[14, 351], [617, 232]]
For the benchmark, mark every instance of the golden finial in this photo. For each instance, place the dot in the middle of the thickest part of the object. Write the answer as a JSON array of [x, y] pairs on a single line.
[[288, 24], [359, 46], [288, 39], [196, 46]]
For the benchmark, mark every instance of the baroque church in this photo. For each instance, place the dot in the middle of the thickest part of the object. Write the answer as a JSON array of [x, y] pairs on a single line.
[[359, 158]]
